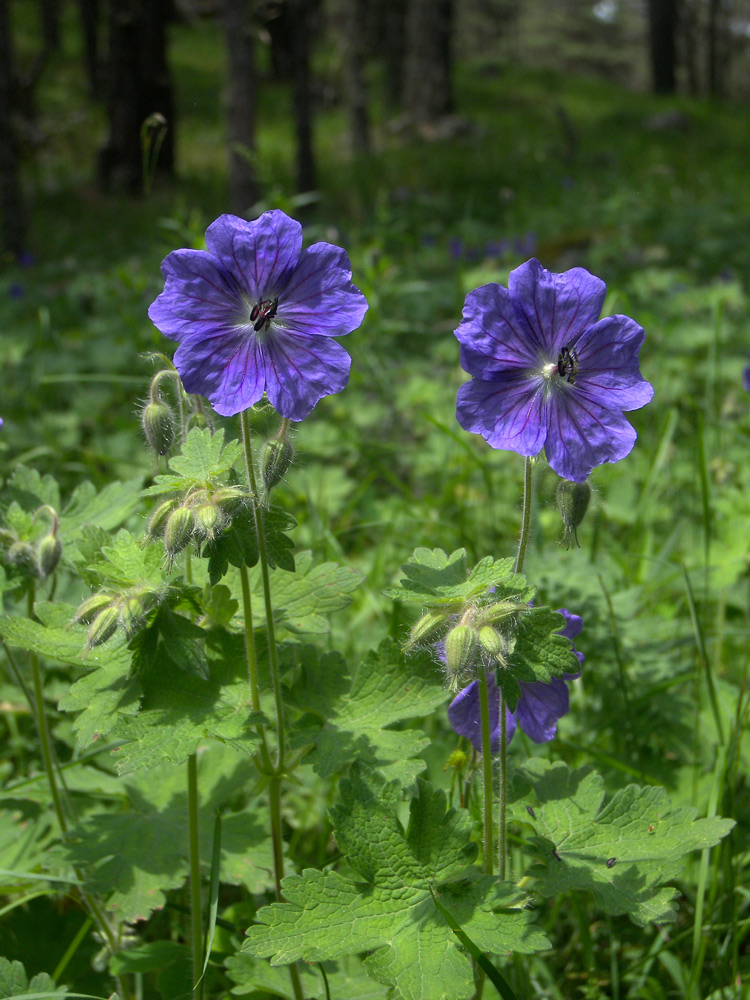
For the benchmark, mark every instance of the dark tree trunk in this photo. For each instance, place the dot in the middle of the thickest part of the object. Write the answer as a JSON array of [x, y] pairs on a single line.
[[662, 22], [427, 74], [50, 11], [301, 11], [394, 34], [716, 68], [241, 94], [276, 18], [139, 96], [88, 12], [355, 54], [14, 228], [689, 33]]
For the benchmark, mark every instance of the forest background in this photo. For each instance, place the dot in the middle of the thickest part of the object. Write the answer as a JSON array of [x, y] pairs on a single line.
[[442, 143]]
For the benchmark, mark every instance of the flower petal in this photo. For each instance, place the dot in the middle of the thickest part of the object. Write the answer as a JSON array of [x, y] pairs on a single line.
[[229, 370], [301, 370], [608, 368], [540, 706], [556, 307], [261, 254], [573, 626], [200, 298], [320, 298], [583, 434], [509, 412], [490, 328], [464, 715]]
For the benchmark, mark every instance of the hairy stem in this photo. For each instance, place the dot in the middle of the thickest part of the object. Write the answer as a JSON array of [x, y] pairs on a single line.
[[196, 922], [484, 711]]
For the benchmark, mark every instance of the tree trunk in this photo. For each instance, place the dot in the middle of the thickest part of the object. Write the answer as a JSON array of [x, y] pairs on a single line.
[[303, 111], [394, 33], [88, 15], [662, 19], [14, 227], [427, 76], [355, 54], [715, 67], [50, 11], [241, 94], [139, 99]]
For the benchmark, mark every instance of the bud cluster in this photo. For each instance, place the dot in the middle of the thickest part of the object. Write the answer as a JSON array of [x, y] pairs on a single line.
[[106, 611], [38, 559], [470, 639], [201, 515]]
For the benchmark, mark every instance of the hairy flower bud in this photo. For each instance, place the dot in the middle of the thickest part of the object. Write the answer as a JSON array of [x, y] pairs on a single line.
[[50, 550], [460, 646], [103, 627], [178, 530], [275, 458], [458, 760], [23, 556], [132, 610], [491, 642], [208, 520], [572, 501], [158, 519], [90, 608], [157, 421], [425, 627]]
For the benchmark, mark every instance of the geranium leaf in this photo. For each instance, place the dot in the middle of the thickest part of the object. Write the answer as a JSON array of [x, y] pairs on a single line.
[[539, 653], [15, 983], [390, 908], [622, 851], [204, 456]]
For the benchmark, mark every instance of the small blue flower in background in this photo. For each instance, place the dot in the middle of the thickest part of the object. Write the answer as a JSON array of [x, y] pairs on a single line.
[[256, 313], [538, 709], [547, 372], [746, 378]]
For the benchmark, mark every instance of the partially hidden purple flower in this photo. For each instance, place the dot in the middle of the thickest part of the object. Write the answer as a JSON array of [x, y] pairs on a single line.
[[256, 313], [746, 378], [547, 372], [538, 709]]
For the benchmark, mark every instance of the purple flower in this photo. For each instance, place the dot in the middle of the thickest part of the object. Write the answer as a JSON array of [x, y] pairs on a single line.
[[537, 711], [255, 313], [746, 378], [547, 373]]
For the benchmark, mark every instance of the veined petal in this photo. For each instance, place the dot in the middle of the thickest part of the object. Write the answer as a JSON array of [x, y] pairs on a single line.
[[490, 327], [229, 371], [509, 412], [583, 434], [319, 298], [301, 370], [556, 307], [261, 254], [608, 368], [464, 715], [198, 295], [540, 706]]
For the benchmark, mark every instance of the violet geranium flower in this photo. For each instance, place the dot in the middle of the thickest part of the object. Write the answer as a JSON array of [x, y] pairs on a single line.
[[746, 378], [255, 313], [538, 709], [547, 372]]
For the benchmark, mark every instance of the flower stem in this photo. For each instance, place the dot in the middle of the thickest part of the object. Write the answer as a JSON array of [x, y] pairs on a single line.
[[525, 516], [252, 661], [503, 792], [196, 923], [263, 558], [484, 711]]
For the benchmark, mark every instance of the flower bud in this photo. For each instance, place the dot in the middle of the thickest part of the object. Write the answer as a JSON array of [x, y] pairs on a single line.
[[132, 609], [460, 645], [572, 501], [23, 556], [90, 608], [103, 627], [208, 520], [491, 642], [425, 627], [275, 458], [178, 530], [50, 550], [158, 519], [157, 421], [458, 760]]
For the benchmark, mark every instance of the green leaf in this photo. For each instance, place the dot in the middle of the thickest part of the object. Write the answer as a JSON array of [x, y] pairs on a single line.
[[30, 490], [301, 602], [345, 979], [239, 543], [390, 909], [127, 562], [638, 832], [539, 653], [148, 956], [354, 714], [436, 580], [179, 710], [106, 509], [135, 857], [15, 983], [203, 455]]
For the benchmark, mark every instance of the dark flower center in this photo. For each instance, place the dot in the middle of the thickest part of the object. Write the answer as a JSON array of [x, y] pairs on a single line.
[[567, 364], [262, 313]]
